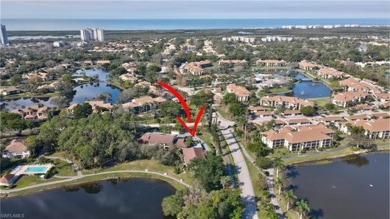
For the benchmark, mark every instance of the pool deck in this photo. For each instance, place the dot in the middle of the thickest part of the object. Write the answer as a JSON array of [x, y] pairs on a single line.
[[21, 170]]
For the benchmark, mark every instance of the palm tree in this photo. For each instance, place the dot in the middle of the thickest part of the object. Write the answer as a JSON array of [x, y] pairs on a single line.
[[289, 195], [270, 211], [278, 165], [302, 207], [279, 183], [225, 180]]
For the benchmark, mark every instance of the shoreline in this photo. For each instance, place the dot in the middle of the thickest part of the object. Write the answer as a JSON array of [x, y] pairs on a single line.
[[177, 184], [331, 158]]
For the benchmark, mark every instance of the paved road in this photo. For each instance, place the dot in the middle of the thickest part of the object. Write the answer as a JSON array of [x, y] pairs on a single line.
[[88, 175], [224, 123], [244, 179]]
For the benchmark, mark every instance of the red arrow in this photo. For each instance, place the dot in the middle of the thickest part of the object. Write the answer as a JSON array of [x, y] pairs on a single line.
[[186, 109]]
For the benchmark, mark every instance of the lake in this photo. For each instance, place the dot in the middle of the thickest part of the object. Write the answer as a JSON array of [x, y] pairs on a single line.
[[133, 198], [309, 89], [83, 92], [353, 187], [305, 88]]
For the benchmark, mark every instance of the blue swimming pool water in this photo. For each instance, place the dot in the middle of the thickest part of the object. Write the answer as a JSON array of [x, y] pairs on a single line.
[[35, 169]]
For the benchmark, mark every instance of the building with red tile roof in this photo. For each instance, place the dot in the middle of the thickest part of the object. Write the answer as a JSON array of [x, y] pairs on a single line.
[[241, 92], [191, 153]]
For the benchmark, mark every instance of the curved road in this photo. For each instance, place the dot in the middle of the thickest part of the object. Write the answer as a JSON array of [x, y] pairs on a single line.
[[88, 175]]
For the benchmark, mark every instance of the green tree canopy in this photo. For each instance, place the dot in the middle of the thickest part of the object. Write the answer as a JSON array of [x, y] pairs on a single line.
[[82, 110], [308, 111], [208, 172], [229, 98]]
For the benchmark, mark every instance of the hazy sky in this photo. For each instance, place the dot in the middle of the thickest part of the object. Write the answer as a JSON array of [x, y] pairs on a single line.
[[99, 9]]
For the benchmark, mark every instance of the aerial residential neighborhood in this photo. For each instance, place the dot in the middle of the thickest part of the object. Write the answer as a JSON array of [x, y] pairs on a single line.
[[194, 118]]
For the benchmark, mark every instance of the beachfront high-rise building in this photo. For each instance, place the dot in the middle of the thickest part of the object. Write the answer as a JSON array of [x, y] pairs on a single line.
[[92, 34], [3, 35], [99, 34], [86, 34]]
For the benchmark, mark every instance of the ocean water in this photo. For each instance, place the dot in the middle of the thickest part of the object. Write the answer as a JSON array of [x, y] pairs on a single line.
[[172, 24]]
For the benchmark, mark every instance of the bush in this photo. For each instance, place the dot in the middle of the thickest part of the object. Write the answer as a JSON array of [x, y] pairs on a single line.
[[263, 162]]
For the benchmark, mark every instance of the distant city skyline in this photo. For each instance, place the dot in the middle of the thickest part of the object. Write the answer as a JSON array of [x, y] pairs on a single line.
[[88, 9]]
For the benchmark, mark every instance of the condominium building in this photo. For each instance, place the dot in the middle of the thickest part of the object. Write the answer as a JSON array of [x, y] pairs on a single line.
[[92, 34], [302, 137], [3, 36], [98, 34]]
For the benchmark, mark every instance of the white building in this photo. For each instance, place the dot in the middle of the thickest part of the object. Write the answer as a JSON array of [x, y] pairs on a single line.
[[16, 149], [98, 34], [92, 34], [3, 36]]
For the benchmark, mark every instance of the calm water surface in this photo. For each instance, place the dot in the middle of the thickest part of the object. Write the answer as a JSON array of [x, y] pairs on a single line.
[[305, 88], [309, 89], [83, 92], [356, 187], [135, 198]]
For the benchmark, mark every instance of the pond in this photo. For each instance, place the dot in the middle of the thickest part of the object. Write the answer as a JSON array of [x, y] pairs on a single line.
[[83, 92], [133, 198], [353, 187], [306, 88]]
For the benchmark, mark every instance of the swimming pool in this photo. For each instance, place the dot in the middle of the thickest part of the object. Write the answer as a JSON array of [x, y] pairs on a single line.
[[35, 170]]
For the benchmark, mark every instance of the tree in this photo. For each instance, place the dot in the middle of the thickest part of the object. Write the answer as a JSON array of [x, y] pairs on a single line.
[[358, 137], [279, 183], [208, 172], [270, 211], [229, 98], [263, 162], [15, 80], [289, 196], [278, 165], [302, 207], [308, 111], [82, 110], [13, 121], [237, 109], [203, 97], [330, 106], [170, 109], [225, 181], [173, 205], [119, 71]]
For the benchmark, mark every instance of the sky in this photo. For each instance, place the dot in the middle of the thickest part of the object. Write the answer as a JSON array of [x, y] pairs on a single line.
[[179, 9]]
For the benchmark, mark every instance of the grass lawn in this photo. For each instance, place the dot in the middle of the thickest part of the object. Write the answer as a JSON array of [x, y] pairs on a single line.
[[151, 165], [317, 156], [28, 94], [223, 111], [321, 101], [32, 180], [279, 152], [64, 169], [282, 89], [207, 138]]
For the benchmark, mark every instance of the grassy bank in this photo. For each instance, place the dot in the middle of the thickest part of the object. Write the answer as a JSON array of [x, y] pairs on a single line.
[[151, 165], [28, 95], [322, 156]]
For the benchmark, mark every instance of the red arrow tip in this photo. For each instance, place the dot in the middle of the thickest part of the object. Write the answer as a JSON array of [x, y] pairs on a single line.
[[198, 117]]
